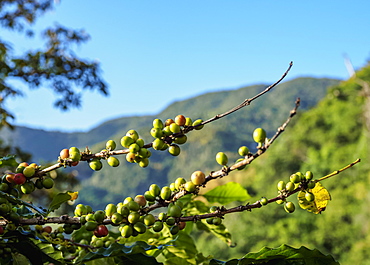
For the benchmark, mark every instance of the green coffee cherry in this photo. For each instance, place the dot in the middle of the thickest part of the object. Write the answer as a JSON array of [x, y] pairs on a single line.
[[188, 121], [110, 209], [174, 229], [126, 231], [28, 187], [259, 135], [181, 139], [216, 221], [134, 148], [189, 186], [74, 154], [28, 171], [281, 185], [197, 122], [155, 190], [308, 175], [243, 151], [133, 206], [80, 210], [309, 196], [158, 144], [239, 160], [156, 132], [179, 182], [264, 201], [95, 164], [221, 158], [113, 161], [133, 134], [157, 123], [166, 131], [133, 217], [99, 216], [311, 184], [149, 220], [170, 221], [289, 207], [165, 193], [47, 183], [162, 216], [148, 196], [174, 149], [289, 186], [126, 141], [144, 153], [140, 227], [295, 178], [158, 226], [174, 211], [110, 145], [91, 225], [140, 142], [174, 128]]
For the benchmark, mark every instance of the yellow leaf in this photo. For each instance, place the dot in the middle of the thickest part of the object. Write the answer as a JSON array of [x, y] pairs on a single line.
[[74, 195], [322, 197]]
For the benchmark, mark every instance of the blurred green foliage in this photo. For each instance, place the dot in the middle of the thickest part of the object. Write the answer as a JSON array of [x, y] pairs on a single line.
[[55, 65]]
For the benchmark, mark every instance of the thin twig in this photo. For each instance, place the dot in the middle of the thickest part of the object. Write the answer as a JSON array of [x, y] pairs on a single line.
[[248, 101], [338, 171]]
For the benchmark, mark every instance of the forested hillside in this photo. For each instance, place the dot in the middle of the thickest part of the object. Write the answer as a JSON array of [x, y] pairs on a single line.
[[323, 139]]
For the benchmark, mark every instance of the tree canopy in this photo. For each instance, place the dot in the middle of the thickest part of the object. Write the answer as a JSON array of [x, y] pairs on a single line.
[[55, 65]]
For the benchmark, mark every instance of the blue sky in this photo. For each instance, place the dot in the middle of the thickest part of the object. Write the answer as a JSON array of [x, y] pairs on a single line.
[[155, 52]]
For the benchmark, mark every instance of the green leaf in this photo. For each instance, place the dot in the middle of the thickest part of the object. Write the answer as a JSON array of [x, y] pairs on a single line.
[[8, 161], [15, 200], [134, 254], [220, 231], [181, 250], [227, 193], [58, 200], [284, 255], [37, 251]]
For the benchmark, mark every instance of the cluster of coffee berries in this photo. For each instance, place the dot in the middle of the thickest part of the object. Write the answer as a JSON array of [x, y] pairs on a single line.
[[259, 136], [137, 152], [96, 164], [155, 193], [222, 159], [24, 180], [296, 180], [214, 220], [170, 134], [70, 157], [130, 215]]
